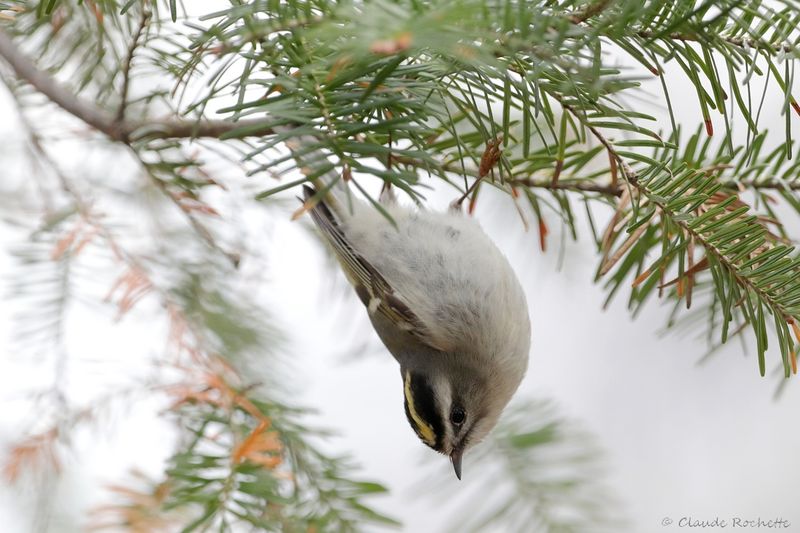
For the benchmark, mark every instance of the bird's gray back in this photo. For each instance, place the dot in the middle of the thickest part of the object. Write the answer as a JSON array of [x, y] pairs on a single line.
[[445, 268]]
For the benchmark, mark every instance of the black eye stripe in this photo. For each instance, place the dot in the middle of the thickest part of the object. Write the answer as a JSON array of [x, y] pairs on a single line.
[[425, 406]]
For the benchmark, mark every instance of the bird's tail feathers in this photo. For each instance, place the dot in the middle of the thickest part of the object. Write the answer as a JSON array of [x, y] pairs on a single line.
[[320, 210]]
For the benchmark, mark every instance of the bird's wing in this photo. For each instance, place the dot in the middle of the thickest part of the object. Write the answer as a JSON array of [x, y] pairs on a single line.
[[372, 288]]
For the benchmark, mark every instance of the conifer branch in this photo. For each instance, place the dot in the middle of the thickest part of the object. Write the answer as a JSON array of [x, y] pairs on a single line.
[[748, 251], [123, 130]]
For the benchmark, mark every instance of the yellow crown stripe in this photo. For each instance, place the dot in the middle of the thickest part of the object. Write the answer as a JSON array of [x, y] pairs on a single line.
[[424, 430]]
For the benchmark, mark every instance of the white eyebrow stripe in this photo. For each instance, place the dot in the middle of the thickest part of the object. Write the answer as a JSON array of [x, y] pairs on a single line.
[[444, 399]]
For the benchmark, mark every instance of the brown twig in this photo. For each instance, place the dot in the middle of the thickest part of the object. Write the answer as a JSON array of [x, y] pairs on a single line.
[[616, 190], [612, 188], [565, 185], [735, 41], [589, 11]]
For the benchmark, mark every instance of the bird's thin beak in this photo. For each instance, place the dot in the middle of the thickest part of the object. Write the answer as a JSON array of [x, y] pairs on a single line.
[[456, 458]]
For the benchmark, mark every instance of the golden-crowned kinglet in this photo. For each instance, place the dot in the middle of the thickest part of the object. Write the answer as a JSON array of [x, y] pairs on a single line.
[[447, 305]]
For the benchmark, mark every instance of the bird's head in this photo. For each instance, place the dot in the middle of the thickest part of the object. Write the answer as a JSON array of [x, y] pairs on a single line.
[[452, 407]]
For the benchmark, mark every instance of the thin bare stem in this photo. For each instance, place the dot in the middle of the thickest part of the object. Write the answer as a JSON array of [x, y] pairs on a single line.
[[126, 67]]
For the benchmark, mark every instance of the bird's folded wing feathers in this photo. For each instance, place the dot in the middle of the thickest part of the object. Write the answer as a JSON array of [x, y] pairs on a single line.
[[371, 287]]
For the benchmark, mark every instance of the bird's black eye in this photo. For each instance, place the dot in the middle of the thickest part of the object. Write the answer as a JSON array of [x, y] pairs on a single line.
[[457, 416]]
